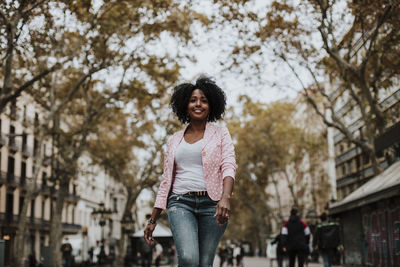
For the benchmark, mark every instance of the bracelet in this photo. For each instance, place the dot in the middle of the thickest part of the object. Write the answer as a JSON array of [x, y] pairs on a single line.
[[151, 221]]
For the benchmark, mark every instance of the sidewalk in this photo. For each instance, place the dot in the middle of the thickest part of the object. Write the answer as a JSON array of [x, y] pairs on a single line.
[[264, 262]]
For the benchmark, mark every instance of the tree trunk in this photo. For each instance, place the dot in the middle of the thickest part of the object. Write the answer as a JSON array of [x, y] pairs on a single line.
[[278, 199], [20, 238], [121, 249], [56, 233], [131, 199], [291, 188]]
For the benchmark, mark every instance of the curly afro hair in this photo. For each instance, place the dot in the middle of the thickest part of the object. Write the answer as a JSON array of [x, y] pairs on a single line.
[[215, 96]]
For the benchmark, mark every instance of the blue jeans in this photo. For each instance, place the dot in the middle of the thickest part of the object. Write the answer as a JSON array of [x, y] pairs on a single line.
[[326, 257], [196, 232]]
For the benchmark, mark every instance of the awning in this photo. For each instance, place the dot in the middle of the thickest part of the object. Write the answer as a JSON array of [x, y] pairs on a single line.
[[384, 185], [160, 231]]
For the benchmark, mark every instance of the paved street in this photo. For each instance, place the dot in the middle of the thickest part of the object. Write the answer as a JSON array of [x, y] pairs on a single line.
[[252, 262], [263, 262]]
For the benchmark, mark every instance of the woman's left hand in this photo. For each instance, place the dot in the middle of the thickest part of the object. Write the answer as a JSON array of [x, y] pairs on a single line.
[[223, 210]]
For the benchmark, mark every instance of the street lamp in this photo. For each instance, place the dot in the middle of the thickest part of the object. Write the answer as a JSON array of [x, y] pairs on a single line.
[[102, 214], [127, 224]]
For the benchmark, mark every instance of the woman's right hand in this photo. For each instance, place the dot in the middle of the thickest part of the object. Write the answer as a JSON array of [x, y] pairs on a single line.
[[148, 233]]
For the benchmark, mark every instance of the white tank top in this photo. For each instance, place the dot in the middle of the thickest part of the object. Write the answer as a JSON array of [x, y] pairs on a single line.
[[189, 168]]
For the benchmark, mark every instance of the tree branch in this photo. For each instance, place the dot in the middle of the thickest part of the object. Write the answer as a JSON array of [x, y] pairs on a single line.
[[17, 92], [38, 3], [4, 17], [373, 37]]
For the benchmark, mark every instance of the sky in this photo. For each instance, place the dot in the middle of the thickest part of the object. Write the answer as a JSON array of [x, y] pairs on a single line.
[[212, 51], [276, 83]]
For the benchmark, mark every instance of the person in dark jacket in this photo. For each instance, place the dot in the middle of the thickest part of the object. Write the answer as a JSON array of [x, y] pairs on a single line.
[[295, 238], [146, 252], [326, 239], [280, 254]]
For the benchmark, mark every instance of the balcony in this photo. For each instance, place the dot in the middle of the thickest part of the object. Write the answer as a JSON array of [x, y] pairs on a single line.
[[72, 198], [11, 221], [25, 182], [386, 104], [13, 145], [46, 160], [14, 115], [27, 150], [10, 179], [69, 228], [358, 175], [348, 155], [3, 139], [3, 178], [27, 122]]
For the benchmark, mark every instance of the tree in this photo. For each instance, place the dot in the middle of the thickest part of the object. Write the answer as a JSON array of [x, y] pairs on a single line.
[[278, 144], [353, 43], [120, 148], [76, 41]]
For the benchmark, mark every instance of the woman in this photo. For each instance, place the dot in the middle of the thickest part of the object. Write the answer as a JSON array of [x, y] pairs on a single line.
[[198, 178]]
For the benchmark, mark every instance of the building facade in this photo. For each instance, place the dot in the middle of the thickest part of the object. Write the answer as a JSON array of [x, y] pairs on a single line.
[[19, 151], [353, 167], [88, 192], [368, 206]]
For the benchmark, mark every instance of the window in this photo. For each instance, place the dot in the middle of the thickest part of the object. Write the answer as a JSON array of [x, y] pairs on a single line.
[[32, 208], [73, 215], [23, 173], [10, 168], [115, 202], [9, 205], [365, 159], [350, 166], [35, 147], [12, 135], [44, 178], [21, 203], [24, 141], [24, 114], [36, 121], [43, 207], [13, 110]]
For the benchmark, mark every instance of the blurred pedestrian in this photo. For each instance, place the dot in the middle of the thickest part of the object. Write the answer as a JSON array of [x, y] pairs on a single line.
[[91, 253], [158, 252], [146, 253], [32, 260], [66, 251], [172, 255], [326, 239], [280, 254], [198, 178], [295, 239], [222, 253], [238, 254], [229, 257]]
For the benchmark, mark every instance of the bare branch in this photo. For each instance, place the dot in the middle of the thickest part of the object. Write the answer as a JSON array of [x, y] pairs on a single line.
[[4, 17], [76, 88], [373, 37], [13, 95], [38, 3], [336, 122]]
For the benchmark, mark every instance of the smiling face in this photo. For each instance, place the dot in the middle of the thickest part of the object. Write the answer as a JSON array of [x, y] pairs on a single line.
[[198, 107]]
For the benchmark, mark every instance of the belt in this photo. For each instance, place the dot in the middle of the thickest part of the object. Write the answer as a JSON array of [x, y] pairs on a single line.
[[197, 194]]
